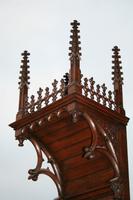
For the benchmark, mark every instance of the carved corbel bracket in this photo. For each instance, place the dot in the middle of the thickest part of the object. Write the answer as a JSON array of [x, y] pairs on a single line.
[[22, 134], [53, 174], [107, 150], [35, 172]]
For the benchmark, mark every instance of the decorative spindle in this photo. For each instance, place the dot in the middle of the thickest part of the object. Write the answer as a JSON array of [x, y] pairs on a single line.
[[62, 88], [99, 93], [46, 96], [92, 82], [39, 101], [75, 49], [86, 87], [98, 96], [54, 91], [117, 80], [110, 103], [32, 104], [104, 88], [117, 74], [23, 85], [24, 72], [75, 54]]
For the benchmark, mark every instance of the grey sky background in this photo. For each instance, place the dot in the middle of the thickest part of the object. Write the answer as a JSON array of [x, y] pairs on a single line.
[[43, 28]]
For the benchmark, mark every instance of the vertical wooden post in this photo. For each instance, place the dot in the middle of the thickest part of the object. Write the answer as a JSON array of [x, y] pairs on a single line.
[[74, 85], [23, 85], [117, 80]]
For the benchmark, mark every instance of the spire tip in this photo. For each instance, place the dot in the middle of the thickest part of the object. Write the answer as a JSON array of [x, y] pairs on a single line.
[[75, 48]]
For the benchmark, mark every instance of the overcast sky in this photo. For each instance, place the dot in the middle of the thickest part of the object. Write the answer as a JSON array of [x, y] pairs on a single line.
[[43, 28]]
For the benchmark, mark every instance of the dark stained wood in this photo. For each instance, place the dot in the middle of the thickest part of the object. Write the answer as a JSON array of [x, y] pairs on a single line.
[[75, 54], [80, 127], [117, 79]]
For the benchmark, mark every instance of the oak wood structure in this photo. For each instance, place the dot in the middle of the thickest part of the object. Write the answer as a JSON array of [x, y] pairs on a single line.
[[80, 127]]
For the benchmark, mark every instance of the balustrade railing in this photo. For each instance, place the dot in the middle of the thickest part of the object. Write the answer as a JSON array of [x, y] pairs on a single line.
[[45, 97], [98, 93], [89, 90]]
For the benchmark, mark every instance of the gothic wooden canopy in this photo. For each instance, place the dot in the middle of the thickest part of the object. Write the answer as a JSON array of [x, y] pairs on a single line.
[[80, 127]]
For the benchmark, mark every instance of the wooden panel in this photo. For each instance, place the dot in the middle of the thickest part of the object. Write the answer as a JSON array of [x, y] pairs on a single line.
[[71, 139], [78, 160], [86, 169], [72, 151], [89, 196], [107, 198], [48, 135], [103, 192], [87, 183]]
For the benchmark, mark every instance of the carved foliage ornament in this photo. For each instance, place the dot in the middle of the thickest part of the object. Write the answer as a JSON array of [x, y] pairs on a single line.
[[116, 187]]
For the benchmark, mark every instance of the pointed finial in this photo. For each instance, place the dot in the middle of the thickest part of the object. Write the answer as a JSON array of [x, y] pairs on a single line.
[[24, 72], [23, 85], [75, 49], [117, 74], [117, 79], [75, 54]]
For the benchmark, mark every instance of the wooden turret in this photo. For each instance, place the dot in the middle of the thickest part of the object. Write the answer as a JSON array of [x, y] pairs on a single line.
[[81, 128]]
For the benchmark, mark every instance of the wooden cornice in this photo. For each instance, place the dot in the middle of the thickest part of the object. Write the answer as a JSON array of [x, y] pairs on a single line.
[[68, 100]]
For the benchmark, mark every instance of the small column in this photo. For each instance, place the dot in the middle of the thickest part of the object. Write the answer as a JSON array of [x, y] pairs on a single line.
[[117, 80], [23, 85], [74, 85]]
